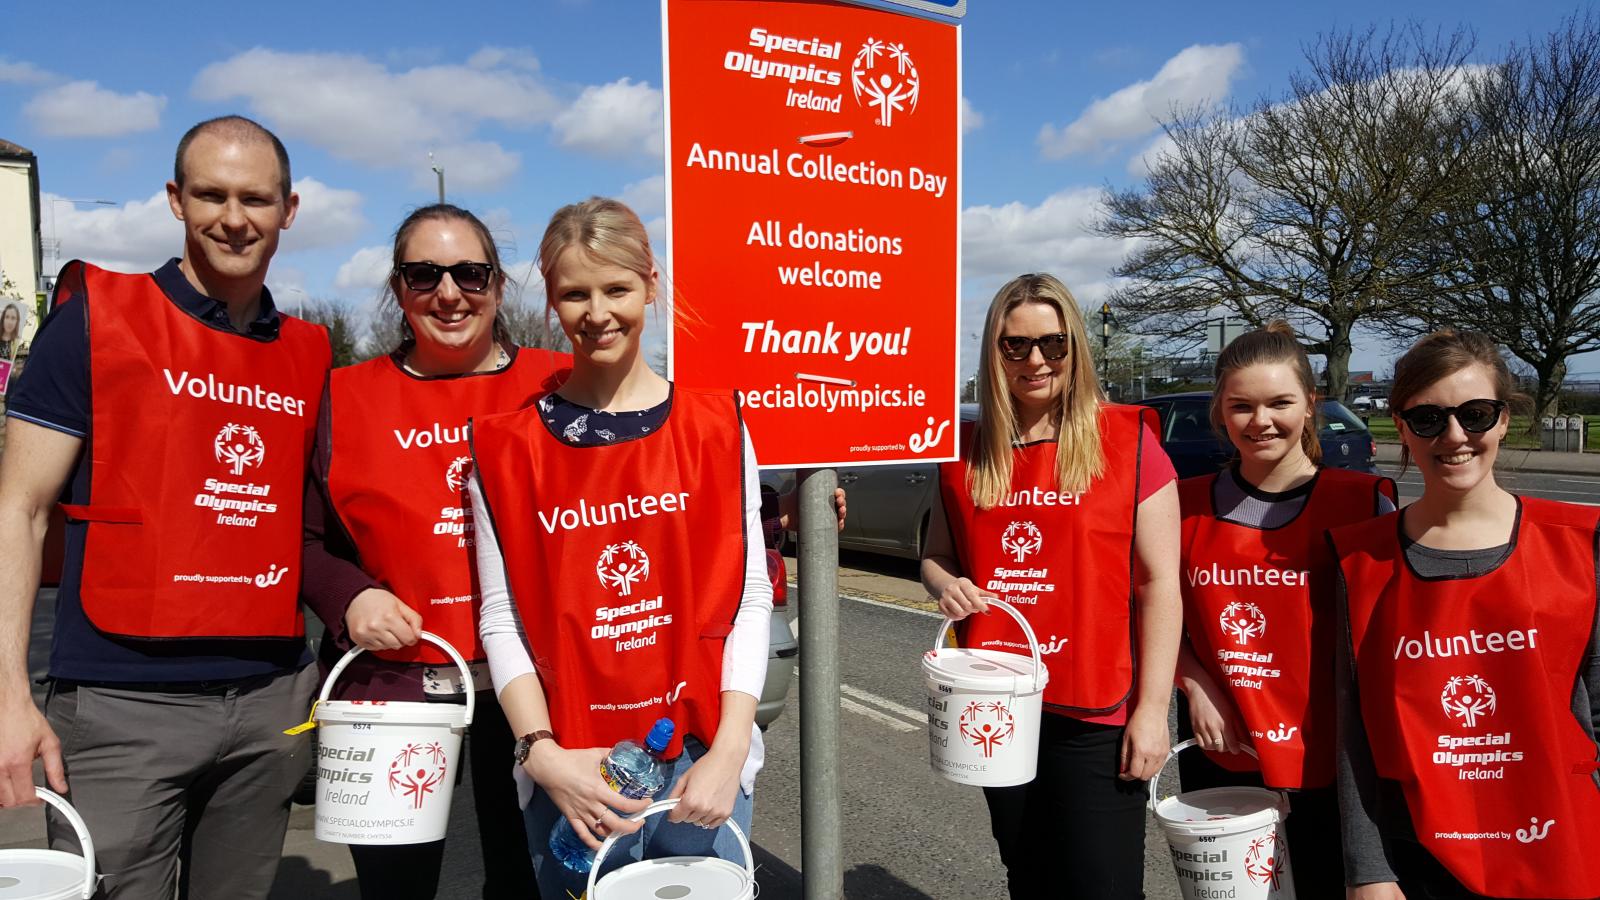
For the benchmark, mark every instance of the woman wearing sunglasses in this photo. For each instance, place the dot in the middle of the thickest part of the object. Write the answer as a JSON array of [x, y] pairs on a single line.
[[389, 536], [1468, 663], [623, 569], [1076, 491], [1257, 667]]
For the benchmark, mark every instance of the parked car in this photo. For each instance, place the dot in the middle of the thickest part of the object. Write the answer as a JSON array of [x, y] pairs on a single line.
[[1367, 403], [889, 505], [1196, 448], [783, 648]]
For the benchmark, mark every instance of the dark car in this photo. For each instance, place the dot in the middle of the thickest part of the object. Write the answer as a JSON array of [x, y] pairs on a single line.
[[1196, 448]]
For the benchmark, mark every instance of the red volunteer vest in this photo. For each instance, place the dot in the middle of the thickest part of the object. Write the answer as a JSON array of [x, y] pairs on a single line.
[[627, 564], [397, 479], [1258, 606], [1064, 560], [1466, 693], [198, 459]]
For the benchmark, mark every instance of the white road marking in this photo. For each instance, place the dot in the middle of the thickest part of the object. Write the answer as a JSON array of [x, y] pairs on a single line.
[[915, 715], [1576, 481], [849, 595], [849, 705]]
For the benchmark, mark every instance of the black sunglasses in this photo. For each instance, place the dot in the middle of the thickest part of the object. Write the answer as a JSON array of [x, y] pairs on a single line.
[[1476, 416], [469, 276], [1016, 348]]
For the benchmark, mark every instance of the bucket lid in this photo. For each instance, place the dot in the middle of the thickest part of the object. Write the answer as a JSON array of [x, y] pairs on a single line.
[[993, 671], [676, 878], [1213, 810], [404, 712], [40, 875]]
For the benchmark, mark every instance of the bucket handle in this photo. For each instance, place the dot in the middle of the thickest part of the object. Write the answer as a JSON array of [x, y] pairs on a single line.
[[466, 673], [1155, 795], [1008, 609], [90, 881], [661, 806]]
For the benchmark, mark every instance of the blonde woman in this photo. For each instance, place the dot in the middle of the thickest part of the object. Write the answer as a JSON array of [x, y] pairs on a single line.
[[11, 345], [1088, 481]]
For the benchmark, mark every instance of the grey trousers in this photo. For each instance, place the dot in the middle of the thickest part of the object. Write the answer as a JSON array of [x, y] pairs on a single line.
[[185, 793]]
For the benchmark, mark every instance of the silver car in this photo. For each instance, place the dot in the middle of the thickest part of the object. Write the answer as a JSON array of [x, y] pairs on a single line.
[[783, 649]]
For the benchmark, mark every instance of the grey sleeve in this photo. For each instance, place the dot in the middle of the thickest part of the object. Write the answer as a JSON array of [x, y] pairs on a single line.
[[1366, 858]]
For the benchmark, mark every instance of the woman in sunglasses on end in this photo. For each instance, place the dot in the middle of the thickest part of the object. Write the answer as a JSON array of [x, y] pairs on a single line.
[[389, 536], [1468, 665], [1078, 493]]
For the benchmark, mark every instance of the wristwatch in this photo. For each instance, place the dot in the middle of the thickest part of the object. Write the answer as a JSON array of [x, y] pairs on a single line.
[[526, 742]]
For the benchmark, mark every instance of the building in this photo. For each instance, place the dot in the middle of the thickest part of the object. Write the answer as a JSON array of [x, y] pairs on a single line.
[[21, 253]]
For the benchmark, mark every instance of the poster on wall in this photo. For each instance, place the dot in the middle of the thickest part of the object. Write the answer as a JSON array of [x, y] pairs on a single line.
[[814, 209]]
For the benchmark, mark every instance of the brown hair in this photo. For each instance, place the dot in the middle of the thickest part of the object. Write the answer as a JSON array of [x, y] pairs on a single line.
[[444, 212], [1079, 456], [237, 128], [1442, 354], [1275, 344]]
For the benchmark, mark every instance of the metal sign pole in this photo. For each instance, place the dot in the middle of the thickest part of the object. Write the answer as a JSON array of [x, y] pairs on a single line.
[[821, 826]]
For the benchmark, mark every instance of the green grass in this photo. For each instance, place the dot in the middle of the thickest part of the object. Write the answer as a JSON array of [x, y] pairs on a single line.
[[1382, 427]]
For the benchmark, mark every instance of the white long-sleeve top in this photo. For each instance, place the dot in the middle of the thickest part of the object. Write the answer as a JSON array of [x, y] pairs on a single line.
[[744, 654]]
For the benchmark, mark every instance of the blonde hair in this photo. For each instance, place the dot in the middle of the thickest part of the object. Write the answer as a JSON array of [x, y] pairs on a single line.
[[1079, 456], [1272, 345], [606, 229]]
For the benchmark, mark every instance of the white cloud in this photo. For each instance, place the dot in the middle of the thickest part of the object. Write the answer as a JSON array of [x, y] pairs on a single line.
[[136, 237], [1199, 75], [85, 109], [620, 119], [648, 198], [368, 113], [328, 217], [999, 242], [970, 117], [364, 271], [23, 73]]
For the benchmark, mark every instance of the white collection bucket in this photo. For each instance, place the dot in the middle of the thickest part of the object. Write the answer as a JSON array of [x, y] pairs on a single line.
[[675, 877], [386, 770], [50, 874], [984, 708], [1227, 843]]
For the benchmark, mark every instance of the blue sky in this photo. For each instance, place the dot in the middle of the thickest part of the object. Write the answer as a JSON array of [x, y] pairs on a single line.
[[533, 104]]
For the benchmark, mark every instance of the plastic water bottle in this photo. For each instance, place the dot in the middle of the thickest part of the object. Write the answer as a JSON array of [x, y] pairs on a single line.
[[633, 771]]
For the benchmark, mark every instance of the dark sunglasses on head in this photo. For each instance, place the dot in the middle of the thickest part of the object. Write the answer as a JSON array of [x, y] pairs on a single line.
[[468, 276], [1016, 348], [1476, 416]]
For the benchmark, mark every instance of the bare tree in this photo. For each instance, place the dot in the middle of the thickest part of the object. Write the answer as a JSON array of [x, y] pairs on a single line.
[[530, 325], [1303, 206], [343, 329], [1518, 257]]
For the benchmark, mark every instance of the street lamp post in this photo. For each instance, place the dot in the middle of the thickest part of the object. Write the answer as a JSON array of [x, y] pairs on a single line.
[[55, 243], [439, 171], [1106, 321]]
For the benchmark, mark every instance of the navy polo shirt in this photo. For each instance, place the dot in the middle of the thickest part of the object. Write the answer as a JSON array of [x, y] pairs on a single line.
[[53, 392]]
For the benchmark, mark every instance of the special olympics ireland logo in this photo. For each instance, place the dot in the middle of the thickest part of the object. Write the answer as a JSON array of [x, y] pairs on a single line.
[[237, 446], [1021, 539], [1243, 621], [1263, 860], [417, 771], [1467, 697], [884, 74], [987, 725], [621, 566], [455, 477]]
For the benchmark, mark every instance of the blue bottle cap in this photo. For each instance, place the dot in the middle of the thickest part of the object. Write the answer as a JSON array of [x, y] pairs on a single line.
[[660, 735]]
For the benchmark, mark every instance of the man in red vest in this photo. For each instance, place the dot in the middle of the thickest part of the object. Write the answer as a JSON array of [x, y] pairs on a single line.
[[174, 412]]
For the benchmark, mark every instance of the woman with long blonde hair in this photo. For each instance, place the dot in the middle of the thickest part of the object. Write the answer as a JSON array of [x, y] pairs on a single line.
[[1086, 484]]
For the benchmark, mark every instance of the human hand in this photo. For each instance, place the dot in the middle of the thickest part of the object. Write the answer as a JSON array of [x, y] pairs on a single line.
[[378, 620], [26, 737], [1381, 890], [838, 505], [961, 598], [1213, 716], [572, 780], [706, 793], [1144, 746]]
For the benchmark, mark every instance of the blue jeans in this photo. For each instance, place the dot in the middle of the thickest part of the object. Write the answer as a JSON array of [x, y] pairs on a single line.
[[656, 839]]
